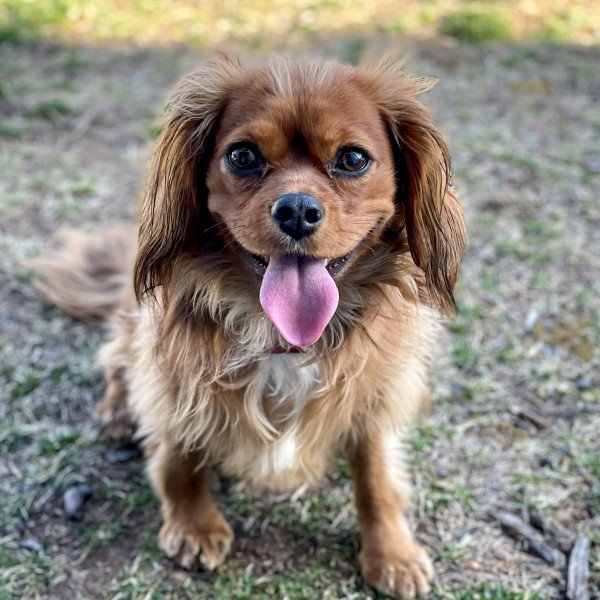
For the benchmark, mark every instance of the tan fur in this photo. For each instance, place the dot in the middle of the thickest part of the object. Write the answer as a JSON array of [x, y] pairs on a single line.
[[90, 277], [195, 358]]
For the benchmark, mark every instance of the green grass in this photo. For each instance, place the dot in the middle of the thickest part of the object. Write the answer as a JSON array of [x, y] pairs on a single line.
[[11, 128], [25, 386], [13, 437], [293, 584], [484, 591], [560, 26], [67, 209], [465, 355], [262, 23], [352, 50], [52, 109], [512, 353], [520, 54], [82, 189], [444, 494], [476, 26], [453, 553], [98, 535], [11, 201], [530, 165], [425, 435], [24, 573], [57, 442], [296, 584]]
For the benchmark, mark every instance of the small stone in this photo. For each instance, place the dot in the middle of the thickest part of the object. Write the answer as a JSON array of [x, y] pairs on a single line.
[[501, 554], [489, 299], [440, 471], [123, 455], [86, 491], [533, 316], [74, 500], [459, 391], [32, 544], [472, 565], [583, 383]]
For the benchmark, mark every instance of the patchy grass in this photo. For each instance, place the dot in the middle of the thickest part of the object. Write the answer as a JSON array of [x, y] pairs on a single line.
[[23, 573], [261, 24], [526, 338], [52, 110], [97, 535], [484, 592], [476, 26]]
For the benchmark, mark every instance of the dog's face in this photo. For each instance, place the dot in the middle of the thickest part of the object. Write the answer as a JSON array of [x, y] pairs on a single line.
[[307, 170], [300, 170], [302, 179]]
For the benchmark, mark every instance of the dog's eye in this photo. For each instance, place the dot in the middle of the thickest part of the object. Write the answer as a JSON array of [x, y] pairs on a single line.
[[352, 161], [244, 159]]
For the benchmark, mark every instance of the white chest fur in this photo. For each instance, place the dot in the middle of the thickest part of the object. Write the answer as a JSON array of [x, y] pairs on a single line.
[[276, 396], [285, 380]]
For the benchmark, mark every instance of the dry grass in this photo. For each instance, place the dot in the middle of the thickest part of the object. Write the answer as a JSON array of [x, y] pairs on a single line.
[[523, 124]]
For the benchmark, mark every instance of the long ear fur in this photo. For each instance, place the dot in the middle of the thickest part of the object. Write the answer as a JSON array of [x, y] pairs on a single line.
[[432, 215], [174, 213]]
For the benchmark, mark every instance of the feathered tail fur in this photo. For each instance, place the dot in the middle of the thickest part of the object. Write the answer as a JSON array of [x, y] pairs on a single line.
[[91, 275]]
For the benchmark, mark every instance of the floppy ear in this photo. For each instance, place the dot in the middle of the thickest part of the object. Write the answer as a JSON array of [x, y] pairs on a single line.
[[431, 211], [174, 212]]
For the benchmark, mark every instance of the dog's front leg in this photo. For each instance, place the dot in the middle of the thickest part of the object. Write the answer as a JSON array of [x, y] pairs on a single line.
[[390, 559], [194, 533]]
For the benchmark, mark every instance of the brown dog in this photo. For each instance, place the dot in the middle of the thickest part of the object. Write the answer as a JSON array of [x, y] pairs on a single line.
[[298, 239]]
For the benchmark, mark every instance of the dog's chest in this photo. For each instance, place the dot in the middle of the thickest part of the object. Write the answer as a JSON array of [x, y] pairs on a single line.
[[279, 391], [284, 380]]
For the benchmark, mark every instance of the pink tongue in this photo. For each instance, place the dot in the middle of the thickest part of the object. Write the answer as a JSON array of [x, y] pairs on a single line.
[[299, 296]]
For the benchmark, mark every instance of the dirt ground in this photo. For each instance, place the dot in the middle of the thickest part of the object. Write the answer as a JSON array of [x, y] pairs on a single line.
[[515, 425]]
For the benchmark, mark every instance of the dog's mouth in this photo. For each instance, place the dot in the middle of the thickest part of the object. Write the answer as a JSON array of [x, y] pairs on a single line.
[[335, 266], [298, 293]]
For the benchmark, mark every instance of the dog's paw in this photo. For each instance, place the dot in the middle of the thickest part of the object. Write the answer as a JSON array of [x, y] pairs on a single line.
[[196, 546], [403, 574]]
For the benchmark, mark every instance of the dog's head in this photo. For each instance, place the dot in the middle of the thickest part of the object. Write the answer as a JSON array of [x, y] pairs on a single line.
[[296, 171]]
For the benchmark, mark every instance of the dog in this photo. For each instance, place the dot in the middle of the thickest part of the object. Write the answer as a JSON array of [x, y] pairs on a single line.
[[299, 242]]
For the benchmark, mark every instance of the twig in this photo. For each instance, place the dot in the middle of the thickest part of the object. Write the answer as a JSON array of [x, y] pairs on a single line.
[[579, 570], [521, 530], [559, 537], [531, 417]]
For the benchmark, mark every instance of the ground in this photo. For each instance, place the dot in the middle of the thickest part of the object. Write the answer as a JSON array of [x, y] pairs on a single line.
[[515, 422]]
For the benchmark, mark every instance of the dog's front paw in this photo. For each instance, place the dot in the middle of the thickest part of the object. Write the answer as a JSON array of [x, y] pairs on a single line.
[[196, 546], [404, 574]]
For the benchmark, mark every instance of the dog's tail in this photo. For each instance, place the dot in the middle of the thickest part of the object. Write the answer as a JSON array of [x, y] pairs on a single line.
[[91, 275]]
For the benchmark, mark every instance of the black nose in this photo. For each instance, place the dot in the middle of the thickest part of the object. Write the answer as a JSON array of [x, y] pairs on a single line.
[[298, 215]]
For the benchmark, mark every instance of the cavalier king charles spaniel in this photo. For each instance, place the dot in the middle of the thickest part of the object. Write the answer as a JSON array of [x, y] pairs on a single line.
[[298, 245]]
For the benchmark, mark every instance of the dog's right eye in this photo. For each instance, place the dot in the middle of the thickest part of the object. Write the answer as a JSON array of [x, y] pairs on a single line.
[[244, 159]]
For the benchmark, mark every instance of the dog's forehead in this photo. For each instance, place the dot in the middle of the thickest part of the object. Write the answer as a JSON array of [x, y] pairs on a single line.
[[327, 108]]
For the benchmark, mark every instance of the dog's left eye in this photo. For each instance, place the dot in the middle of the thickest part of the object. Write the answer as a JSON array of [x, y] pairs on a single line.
[[244, 159], [352, 161]]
